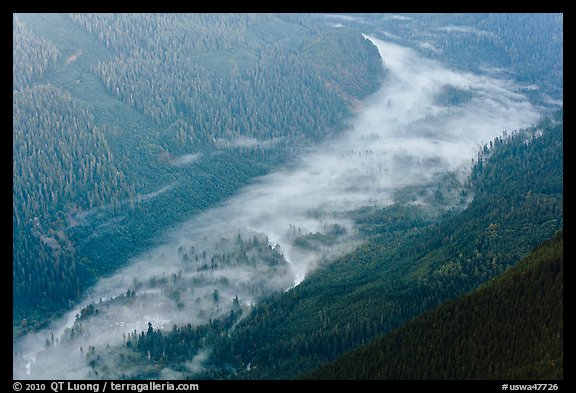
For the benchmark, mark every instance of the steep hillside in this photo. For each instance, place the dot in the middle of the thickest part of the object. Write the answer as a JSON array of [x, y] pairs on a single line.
[[509, 328]]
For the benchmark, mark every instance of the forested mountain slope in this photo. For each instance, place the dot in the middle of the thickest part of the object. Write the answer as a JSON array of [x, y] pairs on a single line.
[[127, 124], [509, 328]]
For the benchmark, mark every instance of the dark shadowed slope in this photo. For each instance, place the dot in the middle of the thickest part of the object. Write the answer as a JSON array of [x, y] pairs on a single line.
[[509, 328]]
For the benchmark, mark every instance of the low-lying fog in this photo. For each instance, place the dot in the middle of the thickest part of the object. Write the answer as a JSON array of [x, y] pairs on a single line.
[[424, 121]]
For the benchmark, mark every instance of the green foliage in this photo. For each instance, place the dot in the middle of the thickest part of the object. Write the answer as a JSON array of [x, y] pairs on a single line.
[[233, 79], [509, 328], [67, 164]]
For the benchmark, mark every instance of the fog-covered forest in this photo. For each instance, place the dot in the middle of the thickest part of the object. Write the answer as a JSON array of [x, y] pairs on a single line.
[[250, 196]]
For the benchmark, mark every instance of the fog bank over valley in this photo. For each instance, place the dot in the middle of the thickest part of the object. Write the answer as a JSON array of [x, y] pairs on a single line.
[[424, 121]]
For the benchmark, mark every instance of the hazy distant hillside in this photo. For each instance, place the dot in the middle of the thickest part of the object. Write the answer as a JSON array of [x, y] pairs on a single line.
[[527, 48], [508, 328]]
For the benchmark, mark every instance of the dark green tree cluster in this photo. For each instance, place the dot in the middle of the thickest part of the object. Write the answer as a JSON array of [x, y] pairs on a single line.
[[169, 34], [145, 354], [509, 328], [180, 344], [61, 158]]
